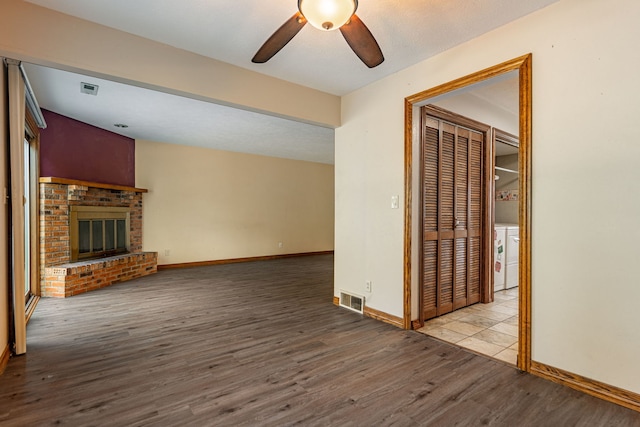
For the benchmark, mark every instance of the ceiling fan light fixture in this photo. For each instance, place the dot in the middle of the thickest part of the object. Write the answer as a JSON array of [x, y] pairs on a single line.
[[327, 15]]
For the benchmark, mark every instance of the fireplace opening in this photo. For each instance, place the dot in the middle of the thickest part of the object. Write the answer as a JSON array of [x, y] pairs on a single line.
[[98, 231]]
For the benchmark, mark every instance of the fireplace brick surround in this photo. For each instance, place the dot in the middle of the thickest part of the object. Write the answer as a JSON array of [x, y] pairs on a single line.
[[60, 277]]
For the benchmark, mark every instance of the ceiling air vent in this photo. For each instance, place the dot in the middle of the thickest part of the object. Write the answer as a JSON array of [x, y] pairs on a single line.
[[351, 301], [88, 88]]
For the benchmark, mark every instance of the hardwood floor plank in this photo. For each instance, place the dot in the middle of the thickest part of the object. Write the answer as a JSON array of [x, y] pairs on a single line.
[[261, 343]]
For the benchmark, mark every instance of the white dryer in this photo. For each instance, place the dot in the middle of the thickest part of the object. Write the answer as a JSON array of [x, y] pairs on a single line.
[[499, 248], [513, 250]]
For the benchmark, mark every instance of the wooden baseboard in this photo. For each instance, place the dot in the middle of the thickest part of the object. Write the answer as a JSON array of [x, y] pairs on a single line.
[[4, 358], [336, 300], [384, 317], [603, 391], [237, 260]]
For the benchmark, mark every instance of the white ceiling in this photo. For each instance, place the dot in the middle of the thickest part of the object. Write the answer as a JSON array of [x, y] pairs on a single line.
[[408, 32], [161, 117]]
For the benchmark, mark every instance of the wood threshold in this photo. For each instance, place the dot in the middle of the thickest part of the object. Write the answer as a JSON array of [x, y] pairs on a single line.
[[237, 260], [31, 307], [67, 181], [4, 358], [595, 388]]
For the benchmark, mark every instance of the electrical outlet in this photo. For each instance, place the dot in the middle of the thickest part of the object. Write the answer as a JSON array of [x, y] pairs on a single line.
[[167, 252], [279, 244], [367, 285]]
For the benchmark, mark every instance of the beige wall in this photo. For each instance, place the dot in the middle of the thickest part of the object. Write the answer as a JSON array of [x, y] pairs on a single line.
[[4, 256], [208, 205], [586, 181]]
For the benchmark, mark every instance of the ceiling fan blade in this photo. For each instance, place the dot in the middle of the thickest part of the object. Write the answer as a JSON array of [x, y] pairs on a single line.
[[280, 38], [362, 42]]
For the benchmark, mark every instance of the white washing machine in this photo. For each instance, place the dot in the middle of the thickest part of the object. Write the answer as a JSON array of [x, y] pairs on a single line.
[[505, 256]]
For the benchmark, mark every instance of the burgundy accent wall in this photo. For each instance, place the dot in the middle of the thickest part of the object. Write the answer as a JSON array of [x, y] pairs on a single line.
[[76, 150]]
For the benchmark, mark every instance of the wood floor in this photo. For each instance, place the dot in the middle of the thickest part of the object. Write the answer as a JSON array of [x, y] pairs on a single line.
[[261, 344]]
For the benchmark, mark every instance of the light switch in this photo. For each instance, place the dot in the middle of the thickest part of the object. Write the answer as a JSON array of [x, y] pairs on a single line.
[[395, 202]]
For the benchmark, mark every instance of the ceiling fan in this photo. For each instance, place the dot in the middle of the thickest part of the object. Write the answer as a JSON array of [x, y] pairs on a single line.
[[326, 15]]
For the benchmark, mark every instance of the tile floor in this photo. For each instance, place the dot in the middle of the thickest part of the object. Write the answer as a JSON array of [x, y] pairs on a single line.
[[489, 329]]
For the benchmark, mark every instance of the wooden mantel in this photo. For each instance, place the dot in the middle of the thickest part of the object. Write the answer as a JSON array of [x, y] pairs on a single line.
[[67, 181]]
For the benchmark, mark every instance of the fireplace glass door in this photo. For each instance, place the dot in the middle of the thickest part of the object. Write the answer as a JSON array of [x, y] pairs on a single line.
[[98, 231], [101, 235]]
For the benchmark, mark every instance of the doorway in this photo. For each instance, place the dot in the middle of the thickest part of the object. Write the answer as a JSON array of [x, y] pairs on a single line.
[[521, 66], [456, 153]]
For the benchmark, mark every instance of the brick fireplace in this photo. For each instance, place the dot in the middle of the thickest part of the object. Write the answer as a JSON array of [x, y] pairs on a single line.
[[60, 275]]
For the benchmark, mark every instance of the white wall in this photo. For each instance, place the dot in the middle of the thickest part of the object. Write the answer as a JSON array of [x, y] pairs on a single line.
[[586, 181], [205, 204]]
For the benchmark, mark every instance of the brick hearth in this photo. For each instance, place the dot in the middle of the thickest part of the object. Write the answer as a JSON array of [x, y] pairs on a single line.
[[59, 276]]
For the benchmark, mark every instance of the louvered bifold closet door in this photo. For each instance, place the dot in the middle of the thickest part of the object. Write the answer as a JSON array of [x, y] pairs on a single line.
[[451, 216]]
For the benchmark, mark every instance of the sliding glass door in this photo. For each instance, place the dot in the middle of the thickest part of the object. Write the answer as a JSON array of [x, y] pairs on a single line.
[[31, 229], [27, 222]]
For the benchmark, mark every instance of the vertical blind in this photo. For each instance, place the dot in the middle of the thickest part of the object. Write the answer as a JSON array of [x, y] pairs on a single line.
[[16, 91]]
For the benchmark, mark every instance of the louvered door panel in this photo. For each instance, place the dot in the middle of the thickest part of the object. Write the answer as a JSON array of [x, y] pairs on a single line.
[[461, 273], [474, 270], [462, 180], [429, 278], [452, 191], [430, 173], [475, 178], [476, 155], [445, 300], [430, 191], [447, 176]]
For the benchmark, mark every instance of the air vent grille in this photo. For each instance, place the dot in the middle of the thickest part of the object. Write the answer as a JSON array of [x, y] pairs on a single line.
[[351, 301]]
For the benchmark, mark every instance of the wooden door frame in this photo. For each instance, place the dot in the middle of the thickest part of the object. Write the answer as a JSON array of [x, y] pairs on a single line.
[[523, 66]]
